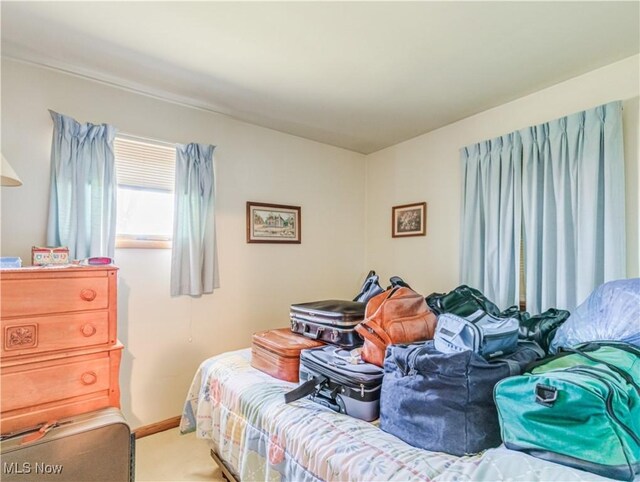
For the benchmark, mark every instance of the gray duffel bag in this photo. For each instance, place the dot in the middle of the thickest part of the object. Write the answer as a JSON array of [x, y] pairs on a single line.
[[487, 335], [443, 402]]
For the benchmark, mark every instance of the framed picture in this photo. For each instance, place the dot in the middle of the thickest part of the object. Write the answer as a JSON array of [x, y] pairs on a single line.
[[273, 223], [409, 220]]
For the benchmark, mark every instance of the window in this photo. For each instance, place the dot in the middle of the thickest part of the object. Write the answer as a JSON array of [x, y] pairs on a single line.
[[146, 173]]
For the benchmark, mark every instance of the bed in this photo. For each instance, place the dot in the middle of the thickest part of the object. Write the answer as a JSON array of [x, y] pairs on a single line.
[[241, 413]]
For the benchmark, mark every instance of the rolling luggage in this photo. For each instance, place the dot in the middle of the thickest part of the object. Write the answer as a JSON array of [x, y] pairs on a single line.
[[277, 352], [443, 402], [331, 321], [580, 408], [339, 379], [95, 446]]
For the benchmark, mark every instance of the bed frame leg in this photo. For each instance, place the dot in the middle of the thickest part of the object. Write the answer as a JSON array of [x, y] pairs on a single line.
[[226, 473]]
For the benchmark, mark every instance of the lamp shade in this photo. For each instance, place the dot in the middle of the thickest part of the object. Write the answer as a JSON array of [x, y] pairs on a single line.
[[9, 176]]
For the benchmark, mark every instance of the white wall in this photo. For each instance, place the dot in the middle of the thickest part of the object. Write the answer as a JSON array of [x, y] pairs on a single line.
[[427, 168], [166, 338]]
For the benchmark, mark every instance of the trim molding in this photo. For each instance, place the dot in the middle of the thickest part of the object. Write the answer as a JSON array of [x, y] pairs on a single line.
[[157, 427], [114, 81], [154, 93]]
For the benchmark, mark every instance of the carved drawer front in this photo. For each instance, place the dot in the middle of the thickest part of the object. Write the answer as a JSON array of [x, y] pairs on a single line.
[[33, 296], [41, 334], [41, 383]]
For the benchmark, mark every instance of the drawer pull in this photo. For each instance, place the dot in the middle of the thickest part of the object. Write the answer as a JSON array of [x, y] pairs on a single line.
[[88, 294], [88, 330], [88, 378]]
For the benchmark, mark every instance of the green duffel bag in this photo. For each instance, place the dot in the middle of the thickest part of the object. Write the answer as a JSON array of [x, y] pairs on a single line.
[[580, 408]]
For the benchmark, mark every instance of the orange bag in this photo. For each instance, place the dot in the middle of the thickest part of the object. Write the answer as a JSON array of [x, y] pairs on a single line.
[[399, 315]]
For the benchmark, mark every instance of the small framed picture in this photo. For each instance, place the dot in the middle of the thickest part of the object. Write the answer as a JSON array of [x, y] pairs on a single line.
[[273, 223], [409, 220]]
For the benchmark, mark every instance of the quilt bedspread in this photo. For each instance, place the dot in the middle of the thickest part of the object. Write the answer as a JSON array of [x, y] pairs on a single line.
[[241, 412]]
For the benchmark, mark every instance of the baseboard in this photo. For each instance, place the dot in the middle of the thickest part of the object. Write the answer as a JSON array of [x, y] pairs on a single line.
[[157, 427]]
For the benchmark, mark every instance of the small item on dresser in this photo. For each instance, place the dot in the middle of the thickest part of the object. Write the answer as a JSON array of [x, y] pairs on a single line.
[[331, 321], [277, 352], [399, 315], [95, 446], [443, 402], [485, 334], [580, 408], [10, 262], [340, 380], [96, 261], [49, 255]]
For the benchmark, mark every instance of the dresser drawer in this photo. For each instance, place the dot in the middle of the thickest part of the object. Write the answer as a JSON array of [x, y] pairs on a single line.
[[50, 382], [41, 334], [55, 387], [37, 296]]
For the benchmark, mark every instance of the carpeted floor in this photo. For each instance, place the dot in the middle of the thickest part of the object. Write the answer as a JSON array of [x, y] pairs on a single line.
[[169, 456]]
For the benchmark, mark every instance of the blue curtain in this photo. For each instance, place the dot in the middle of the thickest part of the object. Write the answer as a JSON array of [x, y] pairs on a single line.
[[194, 267], [573, 206], [82, 207], [491, 218]]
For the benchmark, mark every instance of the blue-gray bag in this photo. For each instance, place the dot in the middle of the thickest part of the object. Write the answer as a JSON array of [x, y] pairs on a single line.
[[443, 402], [483, 333]]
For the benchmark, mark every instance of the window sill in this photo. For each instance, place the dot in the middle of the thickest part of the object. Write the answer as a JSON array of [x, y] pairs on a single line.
[[136, 243]]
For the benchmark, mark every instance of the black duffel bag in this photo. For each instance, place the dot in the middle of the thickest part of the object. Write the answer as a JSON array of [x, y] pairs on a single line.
[[462, 301], [542, 328]]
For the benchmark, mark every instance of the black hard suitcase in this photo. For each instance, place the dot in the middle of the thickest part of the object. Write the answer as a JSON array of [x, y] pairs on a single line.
[[95, 446], [331, 321], [339, 379]]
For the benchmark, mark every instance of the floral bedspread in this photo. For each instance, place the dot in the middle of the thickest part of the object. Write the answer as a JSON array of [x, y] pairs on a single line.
[[241, 412]]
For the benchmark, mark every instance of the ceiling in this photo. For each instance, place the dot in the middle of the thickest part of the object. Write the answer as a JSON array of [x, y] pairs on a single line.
[[358, 75]]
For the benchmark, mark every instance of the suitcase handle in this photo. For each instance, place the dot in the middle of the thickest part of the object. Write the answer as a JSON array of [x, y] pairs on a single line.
[[354, 357], [546, 395], [307, 332], [307, 388], [42, 431], [370, 330]]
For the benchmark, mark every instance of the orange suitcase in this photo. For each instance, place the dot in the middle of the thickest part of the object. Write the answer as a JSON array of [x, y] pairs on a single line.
[[277, 352]]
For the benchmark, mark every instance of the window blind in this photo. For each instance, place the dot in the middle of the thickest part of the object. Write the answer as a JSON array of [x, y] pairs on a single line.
[[145, 165]]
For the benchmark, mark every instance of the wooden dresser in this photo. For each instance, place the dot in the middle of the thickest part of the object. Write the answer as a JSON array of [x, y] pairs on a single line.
[[60, 355]]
